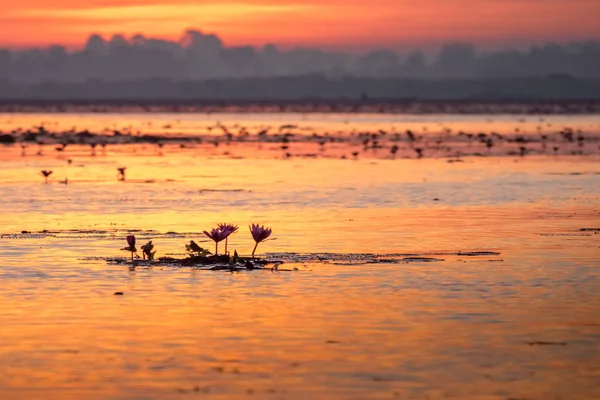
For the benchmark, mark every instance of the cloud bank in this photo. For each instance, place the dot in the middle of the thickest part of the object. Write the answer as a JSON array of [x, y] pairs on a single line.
[[199, 56]]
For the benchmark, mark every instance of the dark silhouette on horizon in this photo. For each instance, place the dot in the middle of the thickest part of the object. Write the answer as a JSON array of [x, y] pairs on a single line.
[[200, 66], [302, 93], [199, 56]]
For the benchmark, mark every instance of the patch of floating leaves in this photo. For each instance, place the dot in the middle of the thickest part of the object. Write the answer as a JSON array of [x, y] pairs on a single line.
[[274, 260], [368, 258], [210, 263]]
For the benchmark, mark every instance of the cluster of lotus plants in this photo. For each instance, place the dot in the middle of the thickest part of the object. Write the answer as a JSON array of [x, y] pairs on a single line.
[[219, 234]]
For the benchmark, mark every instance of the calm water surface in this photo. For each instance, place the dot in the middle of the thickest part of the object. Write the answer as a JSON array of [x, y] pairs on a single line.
[[524, 323]]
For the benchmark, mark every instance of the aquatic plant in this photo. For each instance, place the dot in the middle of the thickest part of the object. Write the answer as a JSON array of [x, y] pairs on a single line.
[[259, 234], [121, 173], [130, 246], [217, 235], [194, 249], [46, 175], [228, 229], [147, 251]]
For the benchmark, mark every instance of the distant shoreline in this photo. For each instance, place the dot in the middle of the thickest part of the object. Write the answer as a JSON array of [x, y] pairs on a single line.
[[305, 106], [552, 94]]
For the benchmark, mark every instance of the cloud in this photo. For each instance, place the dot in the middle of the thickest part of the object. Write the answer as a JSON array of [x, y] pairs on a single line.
[[161, 11], [330, 23], [203, 56]]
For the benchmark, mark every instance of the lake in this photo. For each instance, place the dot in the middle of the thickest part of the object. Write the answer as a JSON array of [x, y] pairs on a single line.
[[464, 271]]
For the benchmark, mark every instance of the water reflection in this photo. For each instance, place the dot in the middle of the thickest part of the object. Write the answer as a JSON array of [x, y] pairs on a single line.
[[519, 325]]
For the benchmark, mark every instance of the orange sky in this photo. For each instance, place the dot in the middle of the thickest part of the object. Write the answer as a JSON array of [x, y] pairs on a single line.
[[326, 23]]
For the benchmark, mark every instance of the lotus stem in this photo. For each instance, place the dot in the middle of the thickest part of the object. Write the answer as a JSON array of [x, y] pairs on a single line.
[[216, 248], [225, 245], [254, 250]]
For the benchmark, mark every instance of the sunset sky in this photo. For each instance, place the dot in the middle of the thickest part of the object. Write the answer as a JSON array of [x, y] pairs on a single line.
[[316, 23]]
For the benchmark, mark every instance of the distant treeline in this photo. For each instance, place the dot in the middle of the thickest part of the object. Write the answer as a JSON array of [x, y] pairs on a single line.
[[312, 87], [199, 56]]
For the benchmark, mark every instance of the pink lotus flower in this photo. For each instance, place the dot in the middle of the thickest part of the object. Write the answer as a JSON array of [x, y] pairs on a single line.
[[217, 235], [259, 234], [227, 229]]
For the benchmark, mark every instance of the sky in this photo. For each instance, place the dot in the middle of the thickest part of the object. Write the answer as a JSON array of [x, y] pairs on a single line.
[[328, 24]]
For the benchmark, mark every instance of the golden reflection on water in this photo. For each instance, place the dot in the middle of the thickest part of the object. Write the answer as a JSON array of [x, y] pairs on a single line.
[[464, 328]]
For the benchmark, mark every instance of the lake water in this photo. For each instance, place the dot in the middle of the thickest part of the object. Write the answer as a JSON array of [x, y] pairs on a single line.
[[509, 309]]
